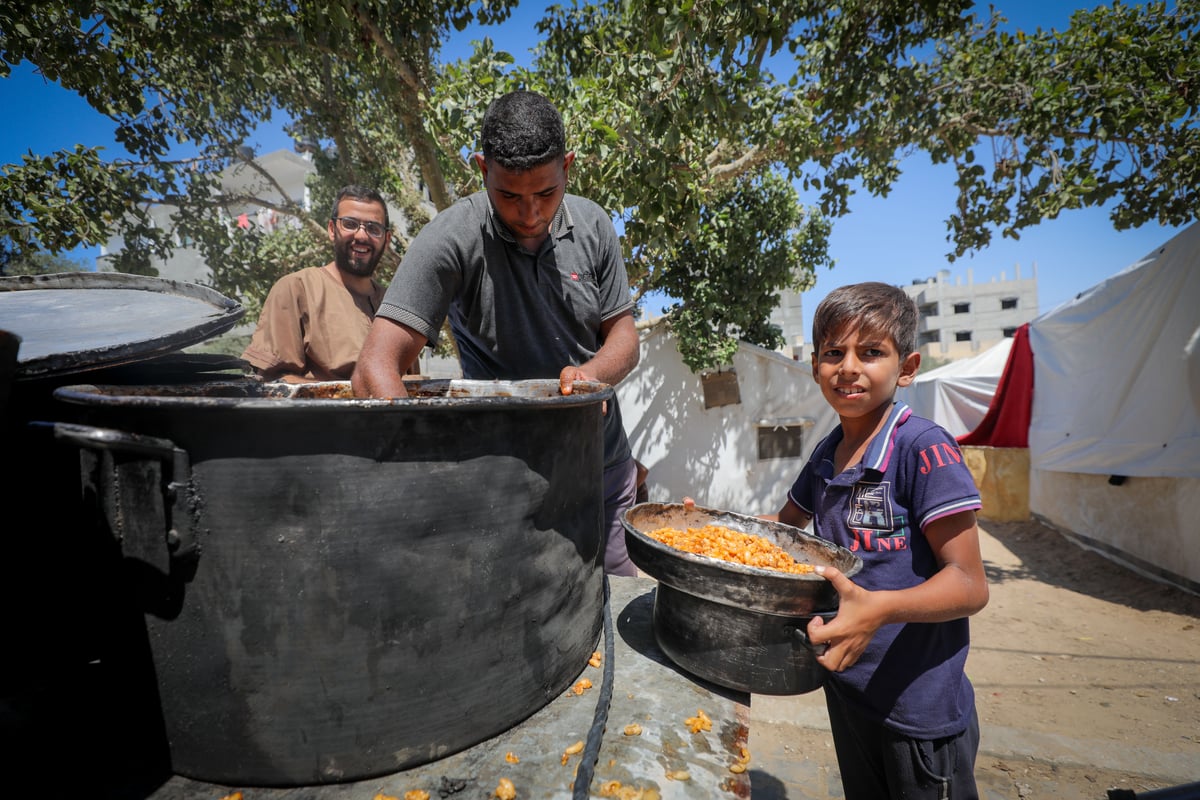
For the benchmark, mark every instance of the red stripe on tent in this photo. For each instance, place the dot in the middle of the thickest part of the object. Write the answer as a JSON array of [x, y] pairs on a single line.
[[1006, 423]]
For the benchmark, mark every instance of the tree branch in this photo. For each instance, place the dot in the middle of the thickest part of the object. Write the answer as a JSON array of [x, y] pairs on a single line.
[[409, 107]]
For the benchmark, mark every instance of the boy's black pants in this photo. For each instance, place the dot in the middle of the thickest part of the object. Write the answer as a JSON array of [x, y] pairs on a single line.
[[877, 763]]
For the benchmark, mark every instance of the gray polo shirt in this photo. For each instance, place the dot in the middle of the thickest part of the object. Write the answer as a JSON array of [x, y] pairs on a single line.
[[516, 315]]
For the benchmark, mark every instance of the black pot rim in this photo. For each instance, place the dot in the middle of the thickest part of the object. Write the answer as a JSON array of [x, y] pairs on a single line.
[[461, 395]]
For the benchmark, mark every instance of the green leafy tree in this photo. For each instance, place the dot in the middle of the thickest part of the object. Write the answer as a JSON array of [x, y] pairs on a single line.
[[746, 246], [682, 116], [37, 264]]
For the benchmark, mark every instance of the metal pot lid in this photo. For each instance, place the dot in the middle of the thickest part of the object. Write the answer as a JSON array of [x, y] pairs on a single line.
[[77, 321]]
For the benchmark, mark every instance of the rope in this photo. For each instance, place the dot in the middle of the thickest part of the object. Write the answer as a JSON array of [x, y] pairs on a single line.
[[591, 749]]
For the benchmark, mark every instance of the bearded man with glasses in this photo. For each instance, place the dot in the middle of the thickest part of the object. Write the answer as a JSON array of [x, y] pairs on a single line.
[[315, 320]]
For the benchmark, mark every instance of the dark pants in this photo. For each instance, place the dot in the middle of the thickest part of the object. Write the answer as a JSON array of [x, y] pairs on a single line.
[[879, 764], [620, 489]]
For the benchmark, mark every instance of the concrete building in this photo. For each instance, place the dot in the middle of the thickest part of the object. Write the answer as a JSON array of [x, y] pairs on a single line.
[[734, 439], [958, 319], [789, 316], [962, 319]]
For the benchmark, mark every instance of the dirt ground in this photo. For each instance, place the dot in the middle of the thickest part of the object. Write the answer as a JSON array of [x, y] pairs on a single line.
[[1087, 677]]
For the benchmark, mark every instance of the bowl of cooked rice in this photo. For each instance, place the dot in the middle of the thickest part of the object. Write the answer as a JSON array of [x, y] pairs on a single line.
[[734, 558], [735, 593]]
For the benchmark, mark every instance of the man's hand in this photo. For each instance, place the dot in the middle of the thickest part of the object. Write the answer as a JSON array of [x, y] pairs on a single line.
[[568, 376]]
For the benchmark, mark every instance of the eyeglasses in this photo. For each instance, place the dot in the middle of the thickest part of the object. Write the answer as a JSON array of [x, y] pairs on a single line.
[[350, 225]]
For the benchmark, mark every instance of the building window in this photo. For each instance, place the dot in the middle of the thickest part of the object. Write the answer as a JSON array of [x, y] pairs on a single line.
[[962, 336], [782, 438], [1007, 303], [929, 310], [720, 388], [962, 308], [1010, 333]]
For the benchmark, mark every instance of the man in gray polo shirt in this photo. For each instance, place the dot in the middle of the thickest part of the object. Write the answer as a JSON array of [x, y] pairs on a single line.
[[532, 280]]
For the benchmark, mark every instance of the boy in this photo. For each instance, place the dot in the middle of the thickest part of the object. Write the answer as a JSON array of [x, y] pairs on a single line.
[[892, 488]]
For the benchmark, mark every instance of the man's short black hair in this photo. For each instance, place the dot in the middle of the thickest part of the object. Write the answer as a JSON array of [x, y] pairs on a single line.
[[363, 195], [522, 130]]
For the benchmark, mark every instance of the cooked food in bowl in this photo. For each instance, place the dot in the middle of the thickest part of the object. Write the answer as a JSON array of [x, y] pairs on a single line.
[[726, 544]]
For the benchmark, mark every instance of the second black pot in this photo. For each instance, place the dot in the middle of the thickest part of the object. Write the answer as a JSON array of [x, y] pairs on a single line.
[[735, 647], [739, 627]]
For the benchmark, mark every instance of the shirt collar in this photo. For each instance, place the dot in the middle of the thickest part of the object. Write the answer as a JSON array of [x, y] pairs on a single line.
[[879, 451]]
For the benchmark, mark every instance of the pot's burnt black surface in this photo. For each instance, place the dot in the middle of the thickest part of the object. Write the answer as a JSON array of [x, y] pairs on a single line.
[[10, 344], [736, 626], [339, 588], [734, 647]]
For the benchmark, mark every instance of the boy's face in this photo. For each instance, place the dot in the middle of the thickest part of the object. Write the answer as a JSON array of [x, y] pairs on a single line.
[[858, 371]]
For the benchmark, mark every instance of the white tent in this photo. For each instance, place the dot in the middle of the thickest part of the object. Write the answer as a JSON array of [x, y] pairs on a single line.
[[722, 455], [1114, 441], [1111, 373], [957, 395]]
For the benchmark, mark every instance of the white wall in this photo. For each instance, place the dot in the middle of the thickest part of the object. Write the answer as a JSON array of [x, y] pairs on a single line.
[[712, 454], [1147, 524]]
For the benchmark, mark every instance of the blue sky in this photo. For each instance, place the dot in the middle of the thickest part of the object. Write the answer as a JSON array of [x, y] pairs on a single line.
[[896, 239]]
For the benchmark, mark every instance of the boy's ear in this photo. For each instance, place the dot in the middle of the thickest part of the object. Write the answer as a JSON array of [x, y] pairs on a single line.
[[909, 368], [814, 367]]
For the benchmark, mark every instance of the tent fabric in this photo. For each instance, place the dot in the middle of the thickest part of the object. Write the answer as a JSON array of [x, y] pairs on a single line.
[[1113, 369], [957, 395], [1006, 423]]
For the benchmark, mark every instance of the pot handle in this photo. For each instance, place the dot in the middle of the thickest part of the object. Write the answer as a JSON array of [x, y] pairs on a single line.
[[801, 636], [181, 539]]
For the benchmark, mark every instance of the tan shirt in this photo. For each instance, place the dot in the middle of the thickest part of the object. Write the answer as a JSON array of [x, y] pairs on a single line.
[[311, 326]]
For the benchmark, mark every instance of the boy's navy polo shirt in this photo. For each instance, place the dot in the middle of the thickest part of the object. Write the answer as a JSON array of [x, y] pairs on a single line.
[[910, 678]]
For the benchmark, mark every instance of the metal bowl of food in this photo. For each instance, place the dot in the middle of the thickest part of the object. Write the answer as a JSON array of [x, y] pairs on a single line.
[[738, 626], [752, 588]]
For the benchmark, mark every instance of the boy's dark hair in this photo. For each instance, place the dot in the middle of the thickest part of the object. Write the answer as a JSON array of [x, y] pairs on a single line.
[[522, 130], [875, 307], [361, 194]]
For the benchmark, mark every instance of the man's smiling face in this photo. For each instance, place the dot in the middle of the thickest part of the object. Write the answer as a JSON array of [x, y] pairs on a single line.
[[358, 252]]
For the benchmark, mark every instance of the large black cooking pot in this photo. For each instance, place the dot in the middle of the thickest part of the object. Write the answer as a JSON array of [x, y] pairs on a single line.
[[737, 626], [10, 344], [338, 588]]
